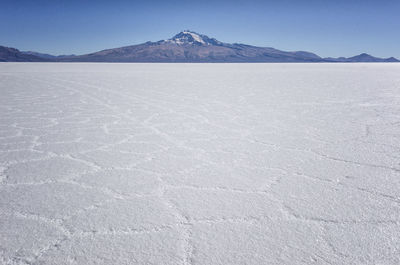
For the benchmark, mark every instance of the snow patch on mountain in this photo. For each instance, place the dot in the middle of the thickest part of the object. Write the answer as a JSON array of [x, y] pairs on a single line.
[[190, 37], [195, 36]]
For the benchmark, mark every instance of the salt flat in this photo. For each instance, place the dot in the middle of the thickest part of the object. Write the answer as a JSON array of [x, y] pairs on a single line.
[[199, 163]]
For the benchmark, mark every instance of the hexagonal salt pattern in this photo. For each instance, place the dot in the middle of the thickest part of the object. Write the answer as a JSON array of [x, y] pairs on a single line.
[[199, 164]]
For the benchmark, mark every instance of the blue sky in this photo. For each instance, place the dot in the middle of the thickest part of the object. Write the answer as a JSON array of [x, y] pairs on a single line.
[[328, 28]]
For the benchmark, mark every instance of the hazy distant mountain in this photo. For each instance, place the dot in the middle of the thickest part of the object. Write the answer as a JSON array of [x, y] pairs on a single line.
[[48, 56], [13, 55], [189, 46], [364, 57], [41, 55]]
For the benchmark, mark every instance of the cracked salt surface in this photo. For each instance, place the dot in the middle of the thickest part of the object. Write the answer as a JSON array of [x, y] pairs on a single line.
[[199, 163]]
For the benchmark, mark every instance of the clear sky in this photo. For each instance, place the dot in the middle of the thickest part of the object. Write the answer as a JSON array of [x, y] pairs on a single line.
[[326, 27]]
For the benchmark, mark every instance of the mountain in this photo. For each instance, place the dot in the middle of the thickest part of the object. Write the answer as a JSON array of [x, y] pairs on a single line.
[[41, 55], [48, 56], [188, 46], [364, 57], [13, 55]]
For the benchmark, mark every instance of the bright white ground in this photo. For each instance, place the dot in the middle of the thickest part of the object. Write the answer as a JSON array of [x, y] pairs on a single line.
[[199, 164]]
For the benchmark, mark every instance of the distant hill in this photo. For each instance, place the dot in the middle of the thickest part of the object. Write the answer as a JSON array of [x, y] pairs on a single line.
[[48, 56], [8, 54], [188, 46], [364, 57]]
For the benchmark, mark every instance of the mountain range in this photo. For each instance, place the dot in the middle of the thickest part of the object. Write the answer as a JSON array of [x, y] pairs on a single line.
[[186, 46]]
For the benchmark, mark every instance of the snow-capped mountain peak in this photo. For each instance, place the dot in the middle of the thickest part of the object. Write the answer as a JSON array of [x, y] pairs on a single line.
[[192, 38]]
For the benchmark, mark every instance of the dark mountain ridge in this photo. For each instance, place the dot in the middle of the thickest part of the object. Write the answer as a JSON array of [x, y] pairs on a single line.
[[8, 54], [188, 46], [47, 56]]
